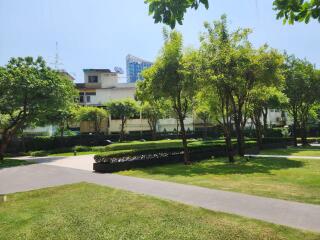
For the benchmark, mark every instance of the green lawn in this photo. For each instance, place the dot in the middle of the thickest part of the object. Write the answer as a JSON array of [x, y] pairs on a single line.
[[295, 151], [141, 145], [290, 179], [88, 211], [13, 163], [68, 154]]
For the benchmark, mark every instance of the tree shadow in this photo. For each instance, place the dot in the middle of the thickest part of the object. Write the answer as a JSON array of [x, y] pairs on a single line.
[[222, 167]]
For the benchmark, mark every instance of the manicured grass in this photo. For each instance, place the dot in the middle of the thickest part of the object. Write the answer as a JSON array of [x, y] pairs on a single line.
[[290, 179], [295, 151], [13, 163], [161, 144], [88, 211], [68, 154], [140, 145]]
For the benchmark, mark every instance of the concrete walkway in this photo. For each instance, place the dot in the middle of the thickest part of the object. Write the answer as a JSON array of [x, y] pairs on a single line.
[[281, 156], [82, 162], [297, 215]]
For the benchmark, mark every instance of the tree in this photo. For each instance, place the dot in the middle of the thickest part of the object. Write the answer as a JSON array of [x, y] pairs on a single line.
[[302, 89], [236, 69], [92, 114], [203, 112], [297, 10], [152, 108], [123, 110], [153, 112], [170, 12], [262, 99], [172, 78], [30, 93]]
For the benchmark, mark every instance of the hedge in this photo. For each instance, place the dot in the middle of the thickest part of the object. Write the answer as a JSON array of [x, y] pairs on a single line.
[[128, 159]]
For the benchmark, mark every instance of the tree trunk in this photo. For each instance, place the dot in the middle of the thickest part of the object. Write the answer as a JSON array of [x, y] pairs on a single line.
[[240, 138], [265, 119], [258, 127], [184, 141], [205, 132], [122, 130], [229, 147], [294, 129], [259, 135], [304, 134], [4, 144]]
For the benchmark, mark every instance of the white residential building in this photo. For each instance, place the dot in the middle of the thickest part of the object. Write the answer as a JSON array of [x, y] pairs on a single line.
[[102, 85]]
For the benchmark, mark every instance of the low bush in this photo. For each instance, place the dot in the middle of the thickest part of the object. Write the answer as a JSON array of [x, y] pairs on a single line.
[[127, 159], [82, 148], [39, 153]]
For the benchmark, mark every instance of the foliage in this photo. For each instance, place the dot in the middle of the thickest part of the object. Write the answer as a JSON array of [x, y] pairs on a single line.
[[152, 108], [302, 89], [171, 12], [123, 110], [92, 114], [232, 69], [172, 77], [39, 153], [31, 93], [297, 10]]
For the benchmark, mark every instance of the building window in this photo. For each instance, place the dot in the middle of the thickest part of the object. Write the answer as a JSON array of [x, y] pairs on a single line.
[[92, 79], [81, 99], [88, 99]]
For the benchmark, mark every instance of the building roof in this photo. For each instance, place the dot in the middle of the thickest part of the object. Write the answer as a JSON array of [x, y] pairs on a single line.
[[132, 58], [105, 70], [84, 87], [68, 75]]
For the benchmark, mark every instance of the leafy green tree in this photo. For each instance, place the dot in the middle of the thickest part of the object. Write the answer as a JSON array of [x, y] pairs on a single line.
[[170, 12], [153, 112], [261, 99], [153, 109], [236, 68], [30, 93], [92, 114], [203, 112], [302, 89], [172, 78], [123, 110], [297, 10]]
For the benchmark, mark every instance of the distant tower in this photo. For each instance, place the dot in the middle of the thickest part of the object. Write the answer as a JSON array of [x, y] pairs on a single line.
[[57, 62], [135, 66]]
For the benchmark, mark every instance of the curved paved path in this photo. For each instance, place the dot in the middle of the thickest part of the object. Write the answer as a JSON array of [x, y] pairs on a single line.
[[297, 215]]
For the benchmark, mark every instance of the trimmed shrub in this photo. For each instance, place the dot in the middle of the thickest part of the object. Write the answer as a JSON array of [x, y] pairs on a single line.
[[39, 154], [82, 148], [128, 159]]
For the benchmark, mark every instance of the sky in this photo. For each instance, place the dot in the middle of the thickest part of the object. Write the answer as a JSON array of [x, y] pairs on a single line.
[[100, 33]]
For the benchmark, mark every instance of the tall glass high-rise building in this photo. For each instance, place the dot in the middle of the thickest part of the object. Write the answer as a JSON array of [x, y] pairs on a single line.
[[135, 66]]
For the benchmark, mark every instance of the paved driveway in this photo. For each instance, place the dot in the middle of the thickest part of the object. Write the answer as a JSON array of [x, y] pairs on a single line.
[[82, 162]]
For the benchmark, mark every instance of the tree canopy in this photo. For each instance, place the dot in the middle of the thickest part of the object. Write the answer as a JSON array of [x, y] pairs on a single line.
[[92, 114], [297, 10], [171, 12], [31, 93], [123, 110]]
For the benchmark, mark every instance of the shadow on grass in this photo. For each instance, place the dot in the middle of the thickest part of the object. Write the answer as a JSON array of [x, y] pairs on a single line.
[[6, 163], [222, 167]]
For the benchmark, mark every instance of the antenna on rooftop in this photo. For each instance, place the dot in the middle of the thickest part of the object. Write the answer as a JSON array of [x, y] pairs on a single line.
[[57, 62]]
